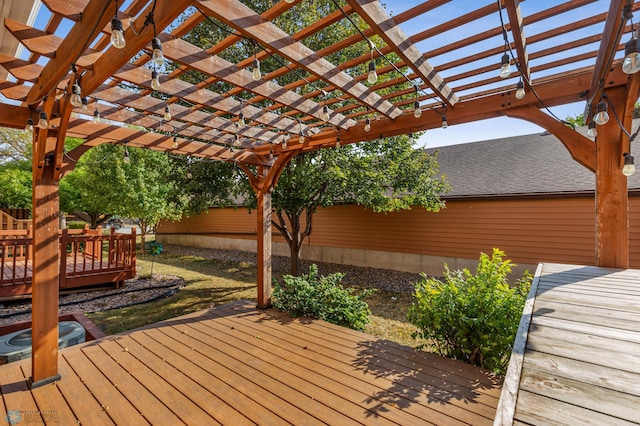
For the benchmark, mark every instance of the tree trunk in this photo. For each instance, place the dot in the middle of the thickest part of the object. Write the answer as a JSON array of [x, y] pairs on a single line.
[[294, 236], [143, 235]]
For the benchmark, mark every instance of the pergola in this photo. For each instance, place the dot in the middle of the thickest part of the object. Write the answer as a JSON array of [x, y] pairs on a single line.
[[261, 125]]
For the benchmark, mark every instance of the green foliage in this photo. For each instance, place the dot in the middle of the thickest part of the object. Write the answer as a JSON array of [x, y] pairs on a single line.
[[15, 187], [322, 297], [472, 317]]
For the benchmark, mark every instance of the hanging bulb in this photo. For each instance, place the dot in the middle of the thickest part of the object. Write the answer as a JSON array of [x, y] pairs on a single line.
[[338, 142], [85, 105], [167, 113], [29, 126], [289, 1], [96, 116], [593, 131], [367, 125], [155, 81], [631, 63], [241, 120], [411, 138], [189, 174], [157, 55], [43, 122], [505, 68], [256, 74], [284, 142], [629, 168], [175, 142], [236, 140], [372, 77], [76, 99], [417, 112], [126, 158], [444, 123], [325, 113], [602, 116], [301, 138], [520, 90], [117, 35]]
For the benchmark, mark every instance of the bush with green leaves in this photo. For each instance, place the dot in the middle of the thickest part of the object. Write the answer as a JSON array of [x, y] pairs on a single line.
[[322, 297], [472, 317]]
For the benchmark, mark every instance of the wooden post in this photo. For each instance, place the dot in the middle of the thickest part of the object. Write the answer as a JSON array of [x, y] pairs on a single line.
[[264, 248], [44, 362], [612, 219]]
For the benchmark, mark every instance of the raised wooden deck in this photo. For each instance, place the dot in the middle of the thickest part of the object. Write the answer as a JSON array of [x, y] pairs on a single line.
[[576, 359], [88, 258], [237, 365]]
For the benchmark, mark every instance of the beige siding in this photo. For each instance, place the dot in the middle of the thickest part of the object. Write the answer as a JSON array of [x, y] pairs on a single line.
[[531, 230]]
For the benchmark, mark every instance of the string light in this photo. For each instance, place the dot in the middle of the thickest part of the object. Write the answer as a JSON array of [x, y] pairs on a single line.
[[76, 95], [156, 54], [167, 113], [602, 115], [155, 81], [301, 138], [505, 68], [444, 123], [411, 138], [325, 113], [126, 158], [175, 142], [256, 74], [629, 168], [96, 115], [117, 35], [43, 122], [372, 76], [593, 130], [520, 90], [367, 125], [85, 105], [29, 126]]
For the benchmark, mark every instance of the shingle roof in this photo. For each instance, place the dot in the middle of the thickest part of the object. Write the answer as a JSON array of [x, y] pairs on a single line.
[[520, 165]]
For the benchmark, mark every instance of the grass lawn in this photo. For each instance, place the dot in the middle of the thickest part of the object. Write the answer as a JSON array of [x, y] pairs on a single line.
[[212, 282]]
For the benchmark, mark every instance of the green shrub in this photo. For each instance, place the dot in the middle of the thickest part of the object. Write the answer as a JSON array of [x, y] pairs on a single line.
[[322, 297], [472, 318]]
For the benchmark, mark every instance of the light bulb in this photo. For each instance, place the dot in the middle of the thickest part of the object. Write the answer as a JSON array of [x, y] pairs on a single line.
[[175, 142], [96, 116], [417, 112], [505, 68], [284, 143], [325, 113], [255, 73], [372, 77], [43, 123], [84, 106], [126, 158], [155, 81], [156, 54], [593, 131], [338, 142], [631, 63], [602, 116], [189, 175], [301, 138], [411, 139], [167, 113], [236, 140], [117, 36], [520, 90], [289, 1], [629, 169], [444, 123], [76, 99], [29, 126], [367, 125], [241, 119]]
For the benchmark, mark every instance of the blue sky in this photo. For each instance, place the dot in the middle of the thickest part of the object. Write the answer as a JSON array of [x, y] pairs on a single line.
[[481, 130]]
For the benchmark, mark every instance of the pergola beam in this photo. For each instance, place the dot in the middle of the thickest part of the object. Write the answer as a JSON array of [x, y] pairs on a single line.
[[383, 25], [519, 39]]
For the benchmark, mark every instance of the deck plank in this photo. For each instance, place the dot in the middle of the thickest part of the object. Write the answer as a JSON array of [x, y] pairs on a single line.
[[238, 365], [582, 359]]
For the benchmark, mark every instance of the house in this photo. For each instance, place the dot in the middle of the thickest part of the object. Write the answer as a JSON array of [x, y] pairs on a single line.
[[523, 194]]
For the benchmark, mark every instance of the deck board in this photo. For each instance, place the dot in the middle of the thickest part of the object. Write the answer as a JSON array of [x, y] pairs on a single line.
[[237, 365], [581, 364]]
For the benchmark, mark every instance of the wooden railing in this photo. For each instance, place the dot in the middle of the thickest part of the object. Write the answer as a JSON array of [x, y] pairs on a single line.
[[9, 223], [87, 257]]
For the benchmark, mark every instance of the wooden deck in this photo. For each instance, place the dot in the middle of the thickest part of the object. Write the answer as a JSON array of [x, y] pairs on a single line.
[[237, 365], [576, 359], [89, 258]]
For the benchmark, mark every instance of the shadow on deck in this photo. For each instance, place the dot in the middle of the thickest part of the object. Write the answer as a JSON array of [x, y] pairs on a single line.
[[237, 365]]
